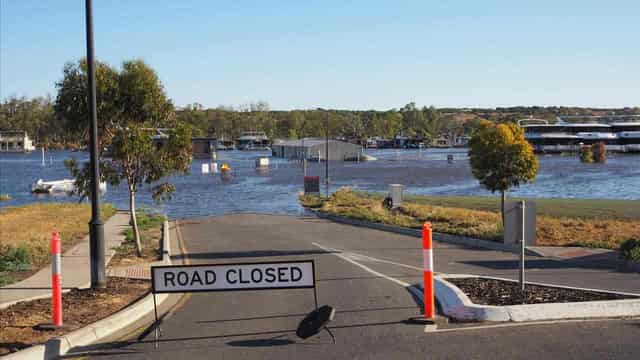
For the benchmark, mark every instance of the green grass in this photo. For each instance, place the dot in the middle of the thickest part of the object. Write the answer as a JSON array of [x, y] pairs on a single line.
[[575, 208], [150, 227], [145, 221]]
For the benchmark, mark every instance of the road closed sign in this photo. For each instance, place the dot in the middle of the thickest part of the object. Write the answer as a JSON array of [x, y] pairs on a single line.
[[246, 276]]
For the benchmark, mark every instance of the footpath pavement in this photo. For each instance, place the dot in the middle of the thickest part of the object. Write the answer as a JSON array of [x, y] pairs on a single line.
[[372, 308], [75, 266]]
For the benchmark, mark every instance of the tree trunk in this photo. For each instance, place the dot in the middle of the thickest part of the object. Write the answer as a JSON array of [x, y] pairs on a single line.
[[503, 199], [134, 222]]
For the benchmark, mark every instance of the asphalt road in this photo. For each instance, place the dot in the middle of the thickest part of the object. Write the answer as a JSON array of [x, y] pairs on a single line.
[[372, 310]]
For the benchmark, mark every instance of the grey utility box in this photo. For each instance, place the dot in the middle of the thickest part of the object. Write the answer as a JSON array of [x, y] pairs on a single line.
[[395, 192], [513, 222]]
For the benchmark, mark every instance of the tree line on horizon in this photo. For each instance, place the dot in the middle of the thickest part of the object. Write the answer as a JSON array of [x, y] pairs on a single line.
[[53, 122]]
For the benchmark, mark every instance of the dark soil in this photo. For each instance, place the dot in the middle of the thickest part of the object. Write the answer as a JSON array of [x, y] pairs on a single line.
[[80, 308], [501, 293]]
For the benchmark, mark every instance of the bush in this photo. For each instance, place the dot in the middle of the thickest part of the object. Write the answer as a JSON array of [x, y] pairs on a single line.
[[586, 154], [311, 201], [15, 258], [630, 250]]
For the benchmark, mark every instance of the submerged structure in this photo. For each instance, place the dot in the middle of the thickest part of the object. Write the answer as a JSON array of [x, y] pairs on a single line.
[[315, 149], [15, 142]]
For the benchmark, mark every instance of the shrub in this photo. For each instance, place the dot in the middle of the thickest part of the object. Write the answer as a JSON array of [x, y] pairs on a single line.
[[15, 258], [311, 200], [630, 250], [586, 154]]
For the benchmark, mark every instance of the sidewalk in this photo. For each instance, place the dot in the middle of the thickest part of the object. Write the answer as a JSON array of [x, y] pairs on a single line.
[[75, 266]]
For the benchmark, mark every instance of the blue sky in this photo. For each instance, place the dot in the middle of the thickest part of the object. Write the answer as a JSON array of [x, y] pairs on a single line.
[[341, 54]]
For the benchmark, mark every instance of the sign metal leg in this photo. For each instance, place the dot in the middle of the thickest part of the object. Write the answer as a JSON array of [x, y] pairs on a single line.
[[157, 331]]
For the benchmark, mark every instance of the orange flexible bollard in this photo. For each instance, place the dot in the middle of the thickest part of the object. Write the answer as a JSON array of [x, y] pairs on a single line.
[[429, 301], [56, 279]]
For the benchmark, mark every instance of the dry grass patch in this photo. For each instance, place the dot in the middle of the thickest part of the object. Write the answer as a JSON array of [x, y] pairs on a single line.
[[26, 231], [604, 233], [472, 223], [552, 230]]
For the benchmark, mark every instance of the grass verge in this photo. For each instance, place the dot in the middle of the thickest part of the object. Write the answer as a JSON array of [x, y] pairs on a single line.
[[584, 223], [25, 232], [150, 226]]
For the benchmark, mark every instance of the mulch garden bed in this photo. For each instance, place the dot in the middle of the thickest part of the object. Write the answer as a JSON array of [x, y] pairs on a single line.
[[80, 308], [502, 293]]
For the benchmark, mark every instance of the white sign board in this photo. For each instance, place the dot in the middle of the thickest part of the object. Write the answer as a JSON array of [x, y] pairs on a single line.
[[224, 277]]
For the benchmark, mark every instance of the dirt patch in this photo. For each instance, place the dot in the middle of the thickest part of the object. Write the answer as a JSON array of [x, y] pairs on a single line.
[[80, 308], [502, 293]]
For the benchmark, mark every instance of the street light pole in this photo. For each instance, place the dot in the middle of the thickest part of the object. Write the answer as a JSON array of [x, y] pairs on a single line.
[[96, 227], [326, 152]]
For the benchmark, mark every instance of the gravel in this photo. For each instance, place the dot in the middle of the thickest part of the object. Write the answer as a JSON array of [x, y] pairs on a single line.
[[502, 293]]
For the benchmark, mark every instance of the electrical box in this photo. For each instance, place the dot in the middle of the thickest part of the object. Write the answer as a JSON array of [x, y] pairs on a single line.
[[513, 222]]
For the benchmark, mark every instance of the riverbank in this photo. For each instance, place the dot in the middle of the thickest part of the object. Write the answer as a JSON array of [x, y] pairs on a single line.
[[590, 223], [26, 232]]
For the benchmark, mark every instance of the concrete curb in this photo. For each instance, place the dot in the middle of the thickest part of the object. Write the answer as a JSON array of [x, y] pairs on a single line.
[[101, 329], [446, 238], [457, 305], [166, 245]]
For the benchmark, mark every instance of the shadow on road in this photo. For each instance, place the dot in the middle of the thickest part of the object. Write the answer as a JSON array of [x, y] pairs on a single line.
[[338, 312]]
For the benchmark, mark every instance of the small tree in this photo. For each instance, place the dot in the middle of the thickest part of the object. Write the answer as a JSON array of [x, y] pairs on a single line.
[[501, 158], [137, 160]]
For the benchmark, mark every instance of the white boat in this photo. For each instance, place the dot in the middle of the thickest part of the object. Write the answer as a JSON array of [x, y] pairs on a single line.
[[59, 186]]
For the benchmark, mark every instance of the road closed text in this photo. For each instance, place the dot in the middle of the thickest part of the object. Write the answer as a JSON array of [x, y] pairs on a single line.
[[232, 277]]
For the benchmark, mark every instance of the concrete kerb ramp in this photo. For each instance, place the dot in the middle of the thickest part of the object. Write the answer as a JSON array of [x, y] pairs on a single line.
[[457, 305], [90, 334]]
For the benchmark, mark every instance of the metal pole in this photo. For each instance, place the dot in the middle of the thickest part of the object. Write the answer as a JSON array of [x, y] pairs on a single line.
[[304, 159], [326, 152], [522, 248], [96, 227]]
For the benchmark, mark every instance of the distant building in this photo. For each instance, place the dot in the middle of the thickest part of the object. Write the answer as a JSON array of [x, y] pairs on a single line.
[[314, 149], [15, 142], [204, 147]]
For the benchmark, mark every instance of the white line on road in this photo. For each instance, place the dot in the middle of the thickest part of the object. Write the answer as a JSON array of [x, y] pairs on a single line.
[[414, 290], [369, 257]]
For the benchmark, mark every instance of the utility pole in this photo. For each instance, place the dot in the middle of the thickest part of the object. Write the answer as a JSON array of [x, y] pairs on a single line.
[[326, 152], [304, 159], [523, 245], [96, 227]]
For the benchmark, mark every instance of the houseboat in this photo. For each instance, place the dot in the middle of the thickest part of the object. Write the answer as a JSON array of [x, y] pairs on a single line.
[[253, 140], [15, 142], [569, 137]]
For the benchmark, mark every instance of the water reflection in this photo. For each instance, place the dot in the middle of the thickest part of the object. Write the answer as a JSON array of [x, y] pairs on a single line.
[[273, 189]]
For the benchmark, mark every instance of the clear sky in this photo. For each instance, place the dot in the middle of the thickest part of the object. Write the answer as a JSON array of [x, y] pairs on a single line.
[[341, 54]]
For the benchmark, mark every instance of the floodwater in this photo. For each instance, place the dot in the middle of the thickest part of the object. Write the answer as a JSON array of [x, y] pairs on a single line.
[[275, 189]]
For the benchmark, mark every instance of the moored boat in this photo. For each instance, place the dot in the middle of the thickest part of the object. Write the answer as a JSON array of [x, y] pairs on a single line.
[[59, 186]]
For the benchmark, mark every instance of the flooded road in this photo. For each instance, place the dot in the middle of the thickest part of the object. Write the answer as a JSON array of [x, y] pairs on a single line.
[[275, 189]]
